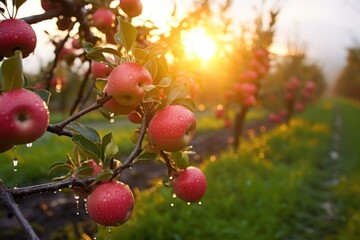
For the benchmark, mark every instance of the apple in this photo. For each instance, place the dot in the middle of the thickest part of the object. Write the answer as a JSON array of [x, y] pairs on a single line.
[[135, 117], [76, 43], [100, 70], [110, 203], [299, 107], [103, 19], [248, 76], [172, 128], [49, 5], [5, 147], [126, 83], [16, 34], [132, 8], [116, 108], [190, 184], [24, 117]]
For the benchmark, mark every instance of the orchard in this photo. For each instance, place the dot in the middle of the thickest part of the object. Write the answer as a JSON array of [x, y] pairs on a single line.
[[137, 119]]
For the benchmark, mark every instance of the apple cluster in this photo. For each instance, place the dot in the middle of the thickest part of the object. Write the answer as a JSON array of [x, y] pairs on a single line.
[[296, 96]]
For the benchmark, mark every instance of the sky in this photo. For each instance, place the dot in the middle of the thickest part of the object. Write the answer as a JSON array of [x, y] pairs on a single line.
[[326, 27]]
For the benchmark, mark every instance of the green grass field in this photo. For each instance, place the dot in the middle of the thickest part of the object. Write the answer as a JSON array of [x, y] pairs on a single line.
[[298, 182]]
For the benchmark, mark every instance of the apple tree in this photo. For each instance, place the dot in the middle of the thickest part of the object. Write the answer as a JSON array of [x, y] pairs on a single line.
[[130, 77]]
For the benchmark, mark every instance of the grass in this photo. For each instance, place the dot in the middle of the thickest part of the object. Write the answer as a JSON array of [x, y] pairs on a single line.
[[276, 188]]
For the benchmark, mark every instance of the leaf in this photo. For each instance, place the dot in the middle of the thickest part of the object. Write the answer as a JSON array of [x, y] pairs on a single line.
[[177, 92], [18, 3], [100, 83], [12, 71], [90, 148], [165, 82], [104, 176], [109, 148], [147, 54], [44, 94], [126, 36], [84, 171], [59, 166], [146, 156], [186, 102], [181, 159], [87, 132]]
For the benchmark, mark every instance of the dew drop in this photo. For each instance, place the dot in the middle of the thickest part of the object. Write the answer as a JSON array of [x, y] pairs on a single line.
[[55, 192], [172, 204], [77, 203], [174, 195], [188, 203], [181, 118], [29, 145], [70, 185], [199, 203], [112, 120], [111, 114], [15, 163], [85, 206], [109, 232], [131, 76]]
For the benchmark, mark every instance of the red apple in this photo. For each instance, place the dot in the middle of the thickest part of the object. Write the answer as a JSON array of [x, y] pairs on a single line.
[[49, 5], [116, 108], [126, 83], [24, 117], [248, 76], [76, 43], [16, 34], [100, 70], [299, 107], [110, 203], [135, 117], [172, 128], [5, 147], [132, 8], [103, 19], [190, 184]]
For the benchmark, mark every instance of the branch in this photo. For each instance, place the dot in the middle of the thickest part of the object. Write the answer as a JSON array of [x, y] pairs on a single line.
[[59, 127], [44, 16], [168, 163], [8, 201], [137, 150]]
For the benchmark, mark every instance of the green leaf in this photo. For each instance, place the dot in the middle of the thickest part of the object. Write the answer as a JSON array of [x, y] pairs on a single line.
[[126, 36], [84, 171], [59, 166], [165, 82], [12, 71], [147, 54], [147, 156], [181, 159], [100, 83], [177, 92], [44, 94], [89, 147], [109, 148], [104, 176], [186, 102], [87, 132]]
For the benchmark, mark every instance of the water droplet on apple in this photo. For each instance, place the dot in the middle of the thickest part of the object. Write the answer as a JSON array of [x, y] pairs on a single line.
[[131, 77], [85, 205], [108, 194], [29, 145], [181, 118]]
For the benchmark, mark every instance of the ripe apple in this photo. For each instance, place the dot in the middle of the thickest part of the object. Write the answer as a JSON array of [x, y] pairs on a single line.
[[190, 184], [116, 108], [103, 19], [126, 83], [49, 5], [135, 117], [110, 203], [24, 117], [248, 76], [172, 128], [4, 147], [76, 43], [16, 34], [132, 8], [299, 107], [100, 70]]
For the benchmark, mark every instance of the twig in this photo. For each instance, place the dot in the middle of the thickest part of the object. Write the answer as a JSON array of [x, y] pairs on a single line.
[[8, 201]]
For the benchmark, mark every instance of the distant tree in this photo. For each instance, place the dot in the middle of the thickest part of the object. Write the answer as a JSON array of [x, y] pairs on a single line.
[[347, 83]]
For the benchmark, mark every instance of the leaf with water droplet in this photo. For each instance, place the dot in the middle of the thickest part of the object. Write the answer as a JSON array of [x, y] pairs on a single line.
[[104, 176], [12, 71]]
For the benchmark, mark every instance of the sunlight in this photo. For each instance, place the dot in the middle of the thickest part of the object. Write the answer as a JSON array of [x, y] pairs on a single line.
[[279, 50], [198, 44]]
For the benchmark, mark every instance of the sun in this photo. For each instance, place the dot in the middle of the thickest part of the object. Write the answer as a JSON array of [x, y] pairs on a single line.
[[198, 43]]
